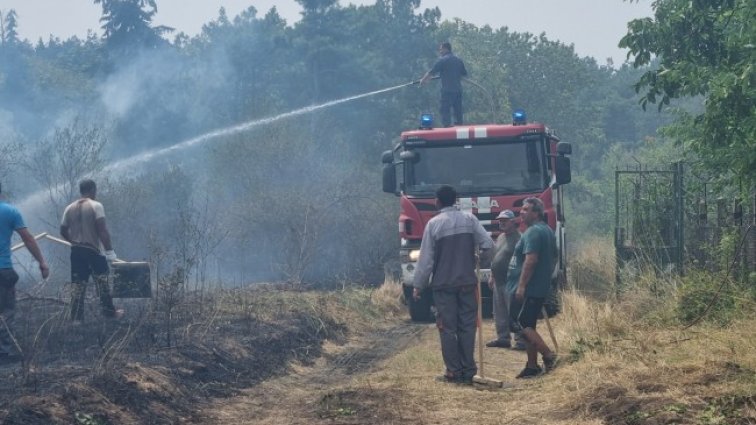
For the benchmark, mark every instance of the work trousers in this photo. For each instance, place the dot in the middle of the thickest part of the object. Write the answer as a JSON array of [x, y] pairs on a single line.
[[8, 279], [449, 101], [501, 312], [86, 262], [456, 318], [502, 300]]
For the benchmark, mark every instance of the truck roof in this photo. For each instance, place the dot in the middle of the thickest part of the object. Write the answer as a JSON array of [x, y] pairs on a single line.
[[477, 131]]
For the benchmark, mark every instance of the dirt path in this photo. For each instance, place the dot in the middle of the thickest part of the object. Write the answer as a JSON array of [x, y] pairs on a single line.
[[362, 382], [319, 392]]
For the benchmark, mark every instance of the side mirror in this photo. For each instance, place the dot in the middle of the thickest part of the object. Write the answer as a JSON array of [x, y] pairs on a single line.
[[389, 178], [409, 156], [564, 148], [562, 170], [387, 157]]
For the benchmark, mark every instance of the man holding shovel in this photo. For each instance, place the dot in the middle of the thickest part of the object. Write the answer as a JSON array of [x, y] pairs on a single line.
[[83, 225], [11, 221], [532, 266], [447, 265]]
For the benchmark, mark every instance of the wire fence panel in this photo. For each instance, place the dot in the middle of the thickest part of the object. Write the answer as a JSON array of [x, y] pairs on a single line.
[[669, 219]]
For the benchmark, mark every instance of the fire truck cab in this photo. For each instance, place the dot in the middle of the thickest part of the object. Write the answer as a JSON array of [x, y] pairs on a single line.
[[493, 167]]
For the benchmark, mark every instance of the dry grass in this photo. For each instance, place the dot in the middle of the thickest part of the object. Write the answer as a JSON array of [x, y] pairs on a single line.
[[389, 298], [622, 367], [592, 268], [626, 362], [351, 357]]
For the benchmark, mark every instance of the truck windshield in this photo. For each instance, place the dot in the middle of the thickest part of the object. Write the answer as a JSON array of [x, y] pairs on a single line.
[[478, 169]]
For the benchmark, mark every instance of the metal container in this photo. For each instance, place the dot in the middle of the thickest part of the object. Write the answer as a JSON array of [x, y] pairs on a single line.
[[131, 280]]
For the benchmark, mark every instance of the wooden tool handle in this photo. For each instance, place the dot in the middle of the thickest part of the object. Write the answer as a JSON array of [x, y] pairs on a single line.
[[480, 317]]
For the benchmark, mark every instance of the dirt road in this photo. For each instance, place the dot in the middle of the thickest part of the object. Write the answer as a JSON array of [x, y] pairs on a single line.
[[373, 379], [325, 390]]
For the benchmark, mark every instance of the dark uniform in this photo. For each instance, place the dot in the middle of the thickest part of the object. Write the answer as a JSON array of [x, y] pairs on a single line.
[[451, 69]]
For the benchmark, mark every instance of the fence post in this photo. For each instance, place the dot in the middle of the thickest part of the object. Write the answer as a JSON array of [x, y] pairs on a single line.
[[680, 219], [750, 244], [721, 212], [737, 212], [703, 215]]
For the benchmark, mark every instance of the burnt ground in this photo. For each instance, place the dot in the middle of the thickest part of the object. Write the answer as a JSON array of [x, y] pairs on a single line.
[[125, 372], [164, 387], [278, 357], [323, 393]]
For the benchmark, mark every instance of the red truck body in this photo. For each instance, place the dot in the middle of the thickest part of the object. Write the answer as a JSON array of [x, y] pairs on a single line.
[[493, 167]]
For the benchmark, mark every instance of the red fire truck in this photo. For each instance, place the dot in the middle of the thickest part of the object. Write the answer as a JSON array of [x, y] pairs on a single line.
[[493, 167]]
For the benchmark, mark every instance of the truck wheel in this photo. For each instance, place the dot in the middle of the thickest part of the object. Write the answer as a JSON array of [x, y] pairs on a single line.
[[419, 310]]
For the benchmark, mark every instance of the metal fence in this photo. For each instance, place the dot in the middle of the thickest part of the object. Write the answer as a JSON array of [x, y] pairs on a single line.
[[722, 236], [669, 219]]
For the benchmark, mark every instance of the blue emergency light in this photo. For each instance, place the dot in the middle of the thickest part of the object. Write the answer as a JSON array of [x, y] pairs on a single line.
[[519, 117], [426, 121]]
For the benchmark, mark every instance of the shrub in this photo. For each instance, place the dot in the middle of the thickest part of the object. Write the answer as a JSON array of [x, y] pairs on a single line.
[[702, 296]]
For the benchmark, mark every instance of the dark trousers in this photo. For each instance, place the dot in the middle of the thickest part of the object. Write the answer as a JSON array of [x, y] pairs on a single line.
[[501, 312], [86, 262], [524, 314], [456, 318], [451, 100], [8, 279]]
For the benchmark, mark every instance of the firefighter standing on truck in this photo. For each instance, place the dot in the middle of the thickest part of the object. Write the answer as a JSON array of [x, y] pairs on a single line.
[[451, 69]]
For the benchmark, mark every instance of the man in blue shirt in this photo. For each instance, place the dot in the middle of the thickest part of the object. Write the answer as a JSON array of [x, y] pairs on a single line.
[[11, 221], [451, 69], [530, 276]]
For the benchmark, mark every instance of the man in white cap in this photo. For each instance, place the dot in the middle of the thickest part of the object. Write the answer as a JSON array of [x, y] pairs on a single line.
[[505, 245]]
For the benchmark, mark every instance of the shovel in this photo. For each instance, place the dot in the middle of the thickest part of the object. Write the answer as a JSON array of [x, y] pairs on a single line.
[[481, 378]]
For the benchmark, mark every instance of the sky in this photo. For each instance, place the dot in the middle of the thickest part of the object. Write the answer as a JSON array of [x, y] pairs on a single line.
[[593, 26]]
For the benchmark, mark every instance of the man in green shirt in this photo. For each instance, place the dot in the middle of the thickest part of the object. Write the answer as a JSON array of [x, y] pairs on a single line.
[[531, 269]]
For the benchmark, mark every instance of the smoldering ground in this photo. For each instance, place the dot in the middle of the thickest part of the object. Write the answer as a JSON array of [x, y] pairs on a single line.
[[159, 363]]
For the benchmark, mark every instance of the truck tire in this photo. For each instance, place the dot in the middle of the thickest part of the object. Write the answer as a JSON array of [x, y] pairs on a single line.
[[419, 310]]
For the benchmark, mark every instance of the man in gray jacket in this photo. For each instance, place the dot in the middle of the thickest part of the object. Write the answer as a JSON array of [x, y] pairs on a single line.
[[447, 265]]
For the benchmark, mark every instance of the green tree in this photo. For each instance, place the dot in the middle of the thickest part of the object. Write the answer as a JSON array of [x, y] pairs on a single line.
[[316, 7], [8, 27], [703, 48], [128, 24]]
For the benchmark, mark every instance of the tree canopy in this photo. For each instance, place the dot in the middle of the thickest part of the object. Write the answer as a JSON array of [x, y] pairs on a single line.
[[703, 48], [8, 27], [281, 180], [127, 24]]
